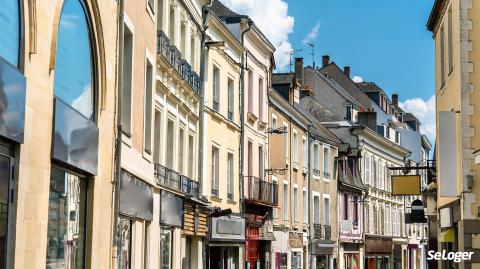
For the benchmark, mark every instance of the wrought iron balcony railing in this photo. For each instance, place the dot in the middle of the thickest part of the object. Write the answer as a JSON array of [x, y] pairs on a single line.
[[316, 172], [215, 106], [186, 71], [326, 175], [262, 191], [176, 59], [230, 115], [171, 179], [196, 82], [317, 230], [163, 45], [327, 232]]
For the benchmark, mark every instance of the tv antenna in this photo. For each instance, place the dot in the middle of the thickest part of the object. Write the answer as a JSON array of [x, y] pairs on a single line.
[[313, 53], [290, 53]]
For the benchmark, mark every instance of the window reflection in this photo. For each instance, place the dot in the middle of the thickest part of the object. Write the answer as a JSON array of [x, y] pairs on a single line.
[[73, 67], [125, 241], [66, 220], [10, 29], [165, 248]]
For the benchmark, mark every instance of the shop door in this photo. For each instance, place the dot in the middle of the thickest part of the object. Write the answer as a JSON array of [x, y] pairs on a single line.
[[5, 203]]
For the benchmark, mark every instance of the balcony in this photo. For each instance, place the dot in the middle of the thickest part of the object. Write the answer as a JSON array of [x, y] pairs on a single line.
[[189, 186], [215, 106], [171, 179], [172, 55], [316, 172], [317, 231], [327, 231], [230, 115], [326, 175], [262, 191]]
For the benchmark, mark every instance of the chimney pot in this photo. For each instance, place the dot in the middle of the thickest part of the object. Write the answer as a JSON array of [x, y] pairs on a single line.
[[325, 60], [346, 70], [299, 70], [395, 99]]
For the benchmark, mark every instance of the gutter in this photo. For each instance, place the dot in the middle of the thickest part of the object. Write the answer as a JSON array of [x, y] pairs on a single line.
[[118, 141]]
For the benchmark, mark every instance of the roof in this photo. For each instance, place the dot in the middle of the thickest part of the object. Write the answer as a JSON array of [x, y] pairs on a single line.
[[435, 14], [222, 11], [282, 78], [348, 179], [409, 117], [334, 72], [370, 87], [317, 110]]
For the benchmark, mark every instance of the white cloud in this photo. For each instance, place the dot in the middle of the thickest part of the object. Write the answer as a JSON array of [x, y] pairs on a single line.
[[424, 110], [83, 102], [312, 35], [357, 79], [68, 21], [271, 17]]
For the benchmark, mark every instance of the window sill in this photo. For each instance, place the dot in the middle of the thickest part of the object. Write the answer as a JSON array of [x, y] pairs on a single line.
[[215, 199], [232, 202]]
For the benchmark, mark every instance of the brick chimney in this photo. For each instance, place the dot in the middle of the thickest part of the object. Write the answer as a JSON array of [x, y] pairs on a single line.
[[325, 60], [368, 119], [395, 99], [346, 70], [299, 70]]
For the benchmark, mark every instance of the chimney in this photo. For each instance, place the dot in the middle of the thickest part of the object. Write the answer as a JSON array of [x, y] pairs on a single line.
[[325, 60], [395, 99], [368, 119], [346, 70], [299, 71]]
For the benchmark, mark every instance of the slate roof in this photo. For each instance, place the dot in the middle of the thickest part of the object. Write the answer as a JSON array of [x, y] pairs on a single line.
[[282, 78], [222, 11]]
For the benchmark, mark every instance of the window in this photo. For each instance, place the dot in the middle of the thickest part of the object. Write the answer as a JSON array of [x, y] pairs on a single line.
[[374, 172], [216, 89], [345, 206], [231, 93], [316, 209], [10, 29], [305, 206], [295, 148], [126, 110], [367, 169], [450, 40], [249, 159], [151, 5], [66, 219], [355, 210], [125, 242], [326, 162], [295, 204], [260, 98], [304, 152], [296, 260], [274, 210], [381, 172], [192, 52], [215, 171], [148, 108], [230, 176], [183, 39], [316, 161], [349, 113], [397, 137], [285, 201], [326, 211], [190, 156], [73, 62], [250, 91], [170, 143], [181, 149], [261, 170], [156, 136], [165, 248], [442, 57], [285, 126], [274, 122], [171, 31]]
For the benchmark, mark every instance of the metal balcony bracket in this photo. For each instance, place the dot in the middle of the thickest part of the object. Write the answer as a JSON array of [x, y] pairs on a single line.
[[280, 130], [272, 171]]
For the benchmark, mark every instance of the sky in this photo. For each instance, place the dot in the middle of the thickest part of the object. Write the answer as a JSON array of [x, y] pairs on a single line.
[[382, 41]]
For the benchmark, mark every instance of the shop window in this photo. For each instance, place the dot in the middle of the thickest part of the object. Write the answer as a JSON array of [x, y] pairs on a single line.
[[125, 243], [5, 179], [73, 66], [10, 29], [296, 260], [165, 248], [66, 220]]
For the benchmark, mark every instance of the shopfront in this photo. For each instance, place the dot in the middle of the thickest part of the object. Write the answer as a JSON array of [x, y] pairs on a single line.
[[226, 242], [378, 253], [322, 253], [171, 223], [136, 213], [351, 255]]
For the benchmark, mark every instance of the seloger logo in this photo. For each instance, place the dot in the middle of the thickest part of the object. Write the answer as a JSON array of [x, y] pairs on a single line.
[[449, 256]]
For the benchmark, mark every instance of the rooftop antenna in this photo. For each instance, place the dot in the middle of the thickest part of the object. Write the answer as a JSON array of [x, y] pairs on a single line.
[[290, 53], [313, 53]]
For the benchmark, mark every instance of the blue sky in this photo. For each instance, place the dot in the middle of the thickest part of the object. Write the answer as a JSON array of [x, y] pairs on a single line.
[[382, 41]]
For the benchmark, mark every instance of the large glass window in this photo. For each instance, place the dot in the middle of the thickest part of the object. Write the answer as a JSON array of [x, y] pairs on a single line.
[[73, 67], [125, 243], [10, 29], [66, 220], [4, 197], [165, 248]]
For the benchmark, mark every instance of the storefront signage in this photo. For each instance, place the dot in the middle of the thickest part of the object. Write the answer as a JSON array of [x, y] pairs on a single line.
[[230, 228], [295, 240], [378, 245], [136, 197], [406, 185], [171, 212], [12, 102]]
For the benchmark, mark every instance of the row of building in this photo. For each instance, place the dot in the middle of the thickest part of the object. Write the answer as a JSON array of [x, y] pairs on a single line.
[[155, 134]]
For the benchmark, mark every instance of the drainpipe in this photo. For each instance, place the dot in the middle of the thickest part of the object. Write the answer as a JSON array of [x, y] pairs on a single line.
[[242, 115], [310, 221], [118, 141], [205, 16]]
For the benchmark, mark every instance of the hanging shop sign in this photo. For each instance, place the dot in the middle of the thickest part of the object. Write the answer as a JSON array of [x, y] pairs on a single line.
[[417, 214], [136, 197], [406, 185]]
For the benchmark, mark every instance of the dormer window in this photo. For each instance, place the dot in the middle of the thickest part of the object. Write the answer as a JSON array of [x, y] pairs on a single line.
[[348, 115]]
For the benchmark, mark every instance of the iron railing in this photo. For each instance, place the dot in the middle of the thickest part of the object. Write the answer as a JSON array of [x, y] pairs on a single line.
[[316, 172], [327, 229], [171, 179], [176, 59], [262, 191], [230, 115], [186, 71], [317, 230], [163, 45], [195, 82], [215, 106], [326, 174]]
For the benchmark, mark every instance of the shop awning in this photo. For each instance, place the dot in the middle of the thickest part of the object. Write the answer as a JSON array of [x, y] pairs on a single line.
[[447, 235]]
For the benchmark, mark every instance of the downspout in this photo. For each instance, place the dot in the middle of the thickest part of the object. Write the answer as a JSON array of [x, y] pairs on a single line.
[[310, 219], [205, 16], [118, 142], [242, 115]]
